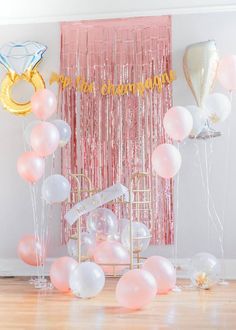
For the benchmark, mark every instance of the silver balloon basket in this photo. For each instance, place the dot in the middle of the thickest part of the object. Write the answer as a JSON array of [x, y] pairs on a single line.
[[140, 201], [207, 133]]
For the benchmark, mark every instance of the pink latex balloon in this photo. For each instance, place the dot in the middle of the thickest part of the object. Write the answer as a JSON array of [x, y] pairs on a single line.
[[44, 104], [163, 271], [44, 139], [30, 166], [111, 252], [136, 289], [178, 123], [60, 272], [166, 160], [31, 251], [226, 72]]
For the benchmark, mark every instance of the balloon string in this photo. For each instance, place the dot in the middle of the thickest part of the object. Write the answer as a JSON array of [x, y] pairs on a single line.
[[226, 168], [210, 217], [33, 205], [176, 216], [211, 199], [44, 231], [205, 182], [31, 186], [211, 203]]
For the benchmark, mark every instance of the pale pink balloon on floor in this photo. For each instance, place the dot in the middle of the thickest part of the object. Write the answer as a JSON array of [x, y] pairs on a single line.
[[136, 289], [30, 166], [178, 123], [44, 139], [31, 251], [166, 160], [111, 252], [163, 271], [226, 72], [44, 104], [60, 272]]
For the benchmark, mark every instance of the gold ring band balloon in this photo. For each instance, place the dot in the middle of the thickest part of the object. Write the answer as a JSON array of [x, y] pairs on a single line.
[[16, 108], [20, 60]]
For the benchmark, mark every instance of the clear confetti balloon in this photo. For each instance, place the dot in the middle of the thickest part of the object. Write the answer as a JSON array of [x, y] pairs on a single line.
[[64, 131], [87, 280], [141, 236], [87, 246], [204, 270], [103, 222]]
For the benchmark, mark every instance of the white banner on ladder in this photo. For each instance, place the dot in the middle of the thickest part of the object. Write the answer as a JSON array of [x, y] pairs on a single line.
[[91, 203]]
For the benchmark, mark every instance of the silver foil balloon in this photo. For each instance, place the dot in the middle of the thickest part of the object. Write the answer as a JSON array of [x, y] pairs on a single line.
[[200, 63]]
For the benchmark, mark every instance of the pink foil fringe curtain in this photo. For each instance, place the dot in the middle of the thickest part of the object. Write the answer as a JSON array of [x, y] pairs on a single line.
[[113, 136]]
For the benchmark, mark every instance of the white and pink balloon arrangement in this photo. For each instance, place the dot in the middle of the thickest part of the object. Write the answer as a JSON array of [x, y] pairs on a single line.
[[136, 288], [42, 139]]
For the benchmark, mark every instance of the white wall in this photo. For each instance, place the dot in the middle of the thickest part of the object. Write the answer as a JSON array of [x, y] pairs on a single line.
[[193, 214], [194, 233], [15, 208], [16, 12]]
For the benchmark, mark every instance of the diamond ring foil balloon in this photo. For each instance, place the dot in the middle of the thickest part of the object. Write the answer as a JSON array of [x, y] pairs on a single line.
[[20, 60], [200, 63], [20, 57]]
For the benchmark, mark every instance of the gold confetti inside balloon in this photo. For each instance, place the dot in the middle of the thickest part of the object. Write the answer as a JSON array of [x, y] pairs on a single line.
[[204, 270]]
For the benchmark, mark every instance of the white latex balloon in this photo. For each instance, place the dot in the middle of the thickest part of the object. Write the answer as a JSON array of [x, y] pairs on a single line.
[[87, 280], [141, 236], [204, 270], [178, 123], [166, 160], [28, 130], [55, 189], [199, 119], [64, 131], [88, 244], [218, 107]]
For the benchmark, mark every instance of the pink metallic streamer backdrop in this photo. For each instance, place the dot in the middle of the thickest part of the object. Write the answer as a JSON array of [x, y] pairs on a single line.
[[113, 136]]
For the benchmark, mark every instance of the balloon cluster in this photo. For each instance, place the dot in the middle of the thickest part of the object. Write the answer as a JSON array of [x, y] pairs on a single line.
[[107, 243], [43, 138], [166, 158], [136, 288], [180, 122]]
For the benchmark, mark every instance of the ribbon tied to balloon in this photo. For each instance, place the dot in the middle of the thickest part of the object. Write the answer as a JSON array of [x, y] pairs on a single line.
[[20, 60]]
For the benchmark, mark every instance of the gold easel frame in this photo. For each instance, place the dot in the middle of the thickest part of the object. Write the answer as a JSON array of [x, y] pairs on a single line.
[[143, 202]]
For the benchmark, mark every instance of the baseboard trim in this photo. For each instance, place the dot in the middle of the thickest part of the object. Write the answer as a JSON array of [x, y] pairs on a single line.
[[15, 267]]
